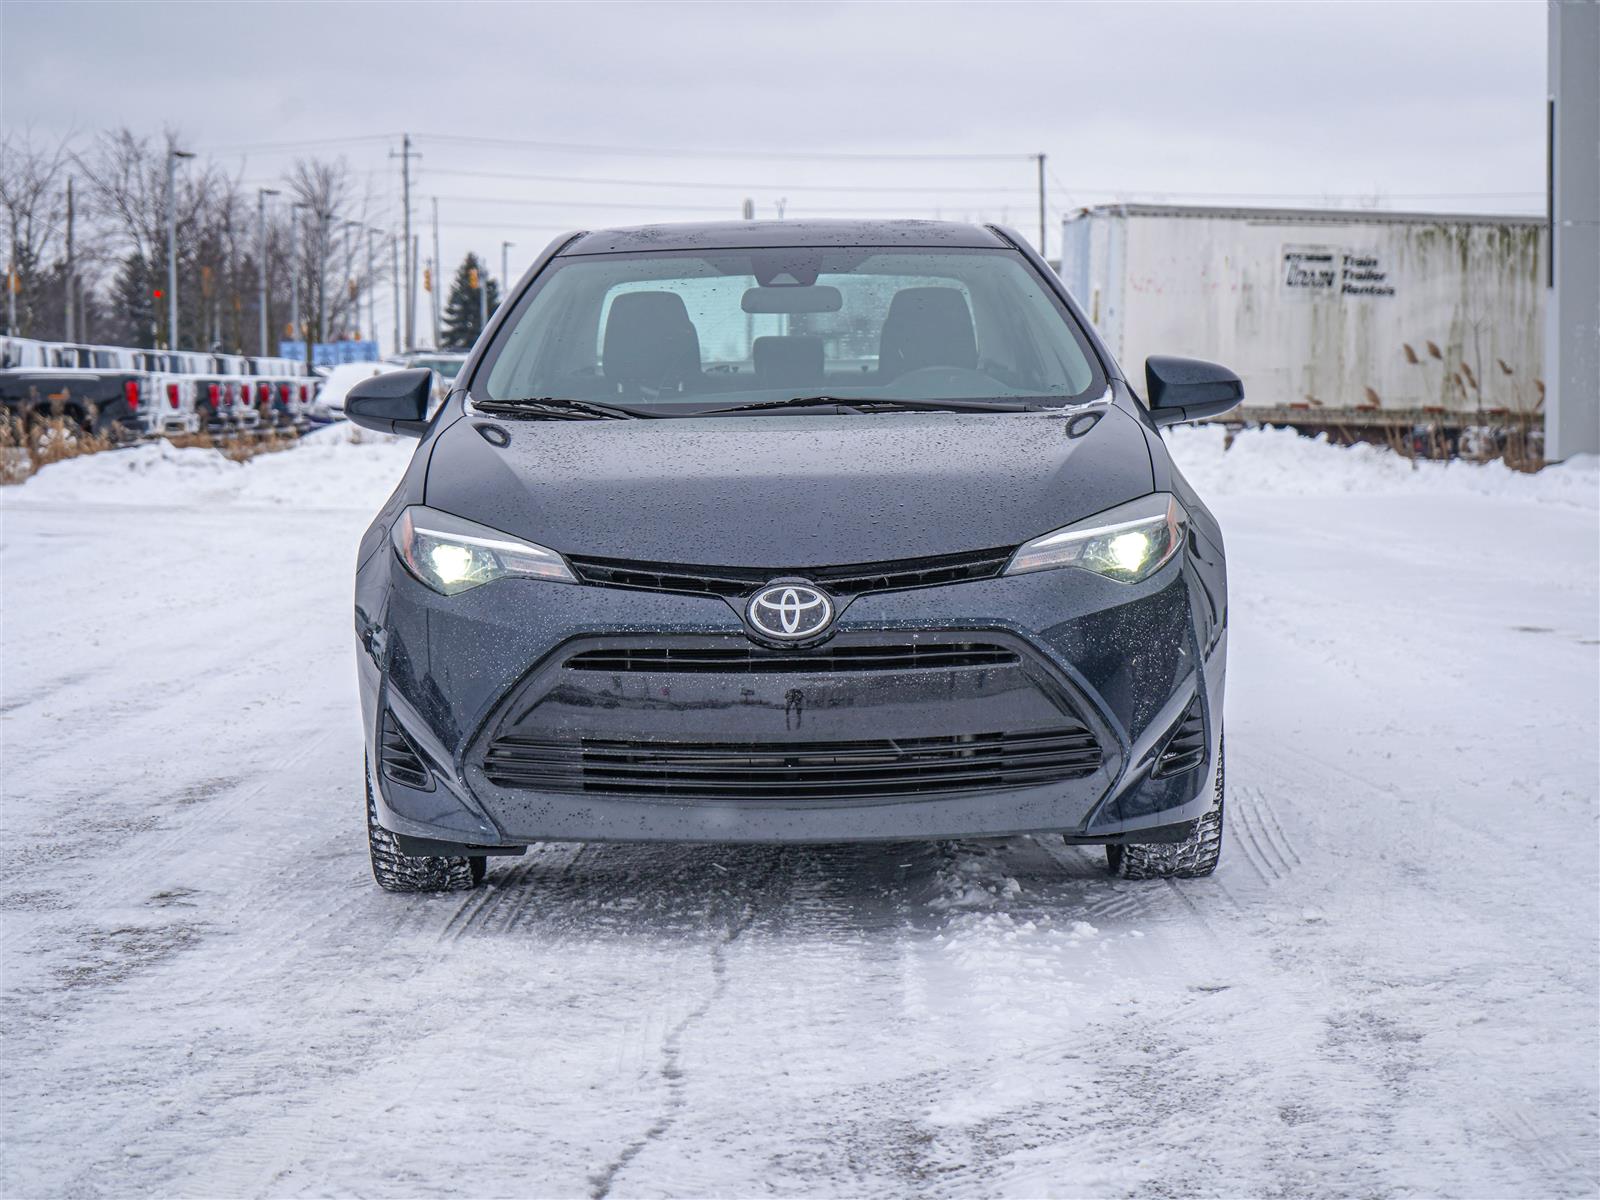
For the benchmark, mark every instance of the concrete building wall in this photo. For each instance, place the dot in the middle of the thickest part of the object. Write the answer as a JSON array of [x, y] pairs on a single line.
[[1572, 416], [1331, 310]]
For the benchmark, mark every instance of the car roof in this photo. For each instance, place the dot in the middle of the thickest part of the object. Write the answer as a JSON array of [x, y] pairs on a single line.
[[735, 235]]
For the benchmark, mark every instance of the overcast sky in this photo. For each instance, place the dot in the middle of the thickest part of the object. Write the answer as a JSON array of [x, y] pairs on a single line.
[[1424, 106]]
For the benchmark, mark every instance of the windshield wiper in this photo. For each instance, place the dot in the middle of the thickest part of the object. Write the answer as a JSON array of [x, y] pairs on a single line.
[[558, 406], [859, 404]]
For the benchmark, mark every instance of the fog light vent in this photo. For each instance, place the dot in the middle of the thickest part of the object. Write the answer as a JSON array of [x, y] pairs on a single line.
[[399, 758], [1185, 748]]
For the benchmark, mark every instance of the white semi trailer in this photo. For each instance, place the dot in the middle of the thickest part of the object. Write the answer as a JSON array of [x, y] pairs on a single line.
[[1335, 319]]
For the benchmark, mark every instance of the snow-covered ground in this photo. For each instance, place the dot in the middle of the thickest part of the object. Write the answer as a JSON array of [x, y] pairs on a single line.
[[1389, 988]]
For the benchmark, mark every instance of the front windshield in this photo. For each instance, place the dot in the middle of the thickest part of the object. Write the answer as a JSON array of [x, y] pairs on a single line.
[[702, 329]]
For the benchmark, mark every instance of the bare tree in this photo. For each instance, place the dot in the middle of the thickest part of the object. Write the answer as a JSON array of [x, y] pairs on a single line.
[[127, 177], [31, 195], [331, 254]]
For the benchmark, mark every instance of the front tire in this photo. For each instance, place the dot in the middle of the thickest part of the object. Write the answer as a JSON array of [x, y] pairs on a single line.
[[1191, 858], [399, 872]]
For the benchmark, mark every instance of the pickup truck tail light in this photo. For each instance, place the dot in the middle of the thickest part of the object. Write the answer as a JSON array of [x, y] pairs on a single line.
[[283, 393], [211, 394], [263, 394], [130, 394], [172, 394], [303, 396]]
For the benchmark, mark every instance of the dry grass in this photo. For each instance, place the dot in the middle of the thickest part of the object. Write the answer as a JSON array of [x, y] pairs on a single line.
[[241, 448], [28, 445]]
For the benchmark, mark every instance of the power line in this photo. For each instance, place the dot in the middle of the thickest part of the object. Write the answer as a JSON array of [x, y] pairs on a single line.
[[769, 155], [246, 147], [740, 187], [710, 206]]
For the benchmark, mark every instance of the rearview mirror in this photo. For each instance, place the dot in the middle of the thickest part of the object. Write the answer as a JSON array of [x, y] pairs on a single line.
[[394, 402], [1187, 389], [792, 299]]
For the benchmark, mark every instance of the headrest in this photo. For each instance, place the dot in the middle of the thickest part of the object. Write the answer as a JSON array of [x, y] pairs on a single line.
[[650, 341], [788, 361], [927, 327]]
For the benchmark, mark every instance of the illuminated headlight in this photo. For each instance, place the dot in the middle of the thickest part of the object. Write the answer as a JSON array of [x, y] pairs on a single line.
[[451, 555], [1128, 543]]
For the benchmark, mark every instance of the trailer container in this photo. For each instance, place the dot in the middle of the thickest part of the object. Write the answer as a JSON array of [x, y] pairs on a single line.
[[1334, 319]]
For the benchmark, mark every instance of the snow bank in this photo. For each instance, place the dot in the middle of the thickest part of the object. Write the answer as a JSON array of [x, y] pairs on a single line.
[[339, 466], [1280, 462], [344, 467]]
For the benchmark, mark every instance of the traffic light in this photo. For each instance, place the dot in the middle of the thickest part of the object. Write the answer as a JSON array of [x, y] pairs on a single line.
[[472, 278], [427, 279]]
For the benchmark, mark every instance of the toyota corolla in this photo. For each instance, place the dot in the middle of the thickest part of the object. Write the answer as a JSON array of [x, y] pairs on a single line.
[[791, 532]]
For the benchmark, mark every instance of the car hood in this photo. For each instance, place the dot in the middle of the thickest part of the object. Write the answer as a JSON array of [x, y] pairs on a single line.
[[789, 491]]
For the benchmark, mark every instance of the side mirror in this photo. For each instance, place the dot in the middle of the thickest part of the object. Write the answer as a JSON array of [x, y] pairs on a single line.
[[1186, 389], [394, 402]]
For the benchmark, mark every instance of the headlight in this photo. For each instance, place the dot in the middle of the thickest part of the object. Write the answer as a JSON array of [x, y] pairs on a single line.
[[1128, 543], [451, 555]]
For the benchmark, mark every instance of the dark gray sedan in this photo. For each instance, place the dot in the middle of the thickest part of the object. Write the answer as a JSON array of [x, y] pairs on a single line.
[[791, 532]]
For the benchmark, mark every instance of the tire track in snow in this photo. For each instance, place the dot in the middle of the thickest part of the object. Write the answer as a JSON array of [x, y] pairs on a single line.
[[671, 1068]]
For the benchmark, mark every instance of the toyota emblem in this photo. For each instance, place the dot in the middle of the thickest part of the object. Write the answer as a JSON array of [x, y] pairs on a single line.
[[789, 612]]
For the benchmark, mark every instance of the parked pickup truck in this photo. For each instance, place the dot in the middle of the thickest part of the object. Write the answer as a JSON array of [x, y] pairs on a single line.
[[120, 405]]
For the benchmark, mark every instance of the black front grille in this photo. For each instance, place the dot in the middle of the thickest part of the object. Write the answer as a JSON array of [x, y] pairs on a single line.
[[848, 580], [399, 758], [1186, 744], [778, 771], [744, 658]]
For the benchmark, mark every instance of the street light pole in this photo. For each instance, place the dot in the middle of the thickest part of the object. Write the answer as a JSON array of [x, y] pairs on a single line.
[[173, 155], [505, 270], [261, 262]]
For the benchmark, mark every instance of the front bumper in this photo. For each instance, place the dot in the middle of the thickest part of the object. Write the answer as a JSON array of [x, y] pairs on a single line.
[[462, 677]]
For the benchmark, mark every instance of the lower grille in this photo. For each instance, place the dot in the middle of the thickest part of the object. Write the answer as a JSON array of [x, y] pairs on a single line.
[[795, 770], [743, 658], [846, 580], [1186, 744], [398, 759]]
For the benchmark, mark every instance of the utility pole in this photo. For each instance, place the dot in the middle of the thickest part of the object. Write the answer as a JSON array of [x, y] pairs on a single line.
[[399, 286], [173, 155], [1042, 254], [352, 243], [261, 263], [405, 156], [295, 224], [71, 330], [483, 299], [505, 271], [411, 312], [438, 274], [324, 253], [372, 289]]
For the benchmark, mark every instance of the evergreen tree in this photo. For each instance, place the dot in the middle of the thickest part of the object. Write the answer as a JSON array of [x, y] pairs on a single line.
[[133, 315], [461, 312]]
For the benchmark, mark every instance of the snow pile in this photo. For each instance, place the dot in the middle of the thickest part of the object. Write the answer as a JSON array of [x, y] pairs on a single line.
[[1280, 462], [336, 467], [344, 467]]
